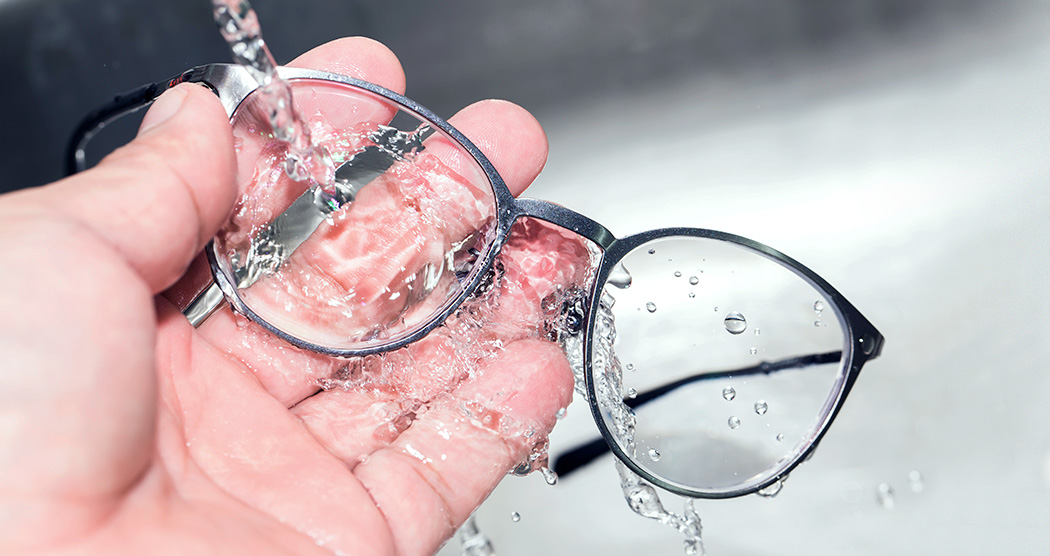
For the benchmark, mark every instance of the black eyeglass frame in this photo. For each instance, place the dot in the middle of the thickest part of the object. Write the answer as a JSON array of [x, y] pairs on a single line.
[[233, 84]]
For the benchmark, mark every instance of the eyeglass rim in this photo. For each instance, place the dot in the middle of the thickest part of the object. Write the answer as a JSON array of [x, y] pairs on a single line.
[[502, 223], [863, 341]]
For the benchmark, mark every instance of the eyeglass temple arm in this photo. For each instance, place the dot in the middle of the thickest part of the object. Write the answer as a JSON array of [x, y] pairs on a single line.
[[121, 104], [586, 453], [236, 83]]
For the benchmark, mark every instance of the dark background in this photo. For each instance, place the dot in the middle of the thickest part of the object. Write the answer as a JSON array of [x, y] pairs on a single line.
[[61, 58]]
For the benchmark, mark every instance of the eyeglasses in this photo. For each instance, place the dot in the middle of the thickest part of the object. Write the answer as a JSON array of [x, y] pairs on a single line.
[[713, 364]]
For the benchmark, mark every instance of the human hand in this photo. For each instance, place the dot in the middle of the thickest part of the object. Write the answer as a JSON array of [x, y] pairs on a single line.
[[126, 430]]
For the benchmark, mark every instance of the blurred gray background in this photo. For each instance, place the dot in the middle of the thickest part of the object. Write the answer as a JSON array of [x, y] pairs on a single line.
[[897, 147]]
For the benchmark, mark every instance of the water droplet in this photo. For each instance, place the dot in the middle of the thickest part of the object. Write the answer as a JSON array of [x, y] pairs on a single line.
[[758, 331], [780, 437], [693, 280], [644, 501], [761, 407], [885, 496], [652, 251], [818, 323], [728, 393], [753, 351], [549, 476], [716, 308], [915, 482], [561, 413], [632, 394], [619, 277], [772, 490], [818, 306], [630, 366], [677, 274], [654, 455], [651, 307], [735, 323], [734, 422], [692, 295], [515, 517]]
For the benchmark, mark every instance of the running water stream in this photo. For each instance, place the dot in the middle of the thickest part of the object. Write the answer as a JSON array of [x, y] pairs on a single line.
[[306, 161]]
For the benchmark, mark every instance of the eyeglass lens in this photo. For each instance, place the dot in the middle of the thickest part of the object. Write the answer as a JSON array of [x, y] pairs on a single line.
[[714, 365], [373, 257]]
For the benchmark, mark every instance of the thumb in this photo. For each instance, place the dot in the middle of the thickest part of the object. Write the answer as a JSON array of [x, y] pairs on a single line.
[[160, 198]]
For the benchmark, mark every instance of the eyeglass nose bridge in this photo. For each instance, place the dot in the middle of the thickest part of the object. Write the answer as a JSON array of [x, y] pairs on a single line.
[[564, 217]]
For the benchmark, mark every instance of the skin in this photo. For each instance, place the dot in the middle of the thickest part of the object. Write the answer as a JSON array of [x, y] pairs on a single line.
[[125, 430]]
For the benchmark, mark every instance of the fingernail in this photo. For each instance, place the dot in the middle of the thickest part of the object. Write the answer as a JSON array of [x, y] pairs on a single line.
[[163, 108]]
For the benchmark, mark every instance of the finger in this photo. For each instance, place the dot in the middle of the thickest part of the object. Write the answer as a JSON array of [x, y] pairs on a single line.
[[510, 137], [157, 200], [358, 57], [287, 372], [218, 427], [436, 473]]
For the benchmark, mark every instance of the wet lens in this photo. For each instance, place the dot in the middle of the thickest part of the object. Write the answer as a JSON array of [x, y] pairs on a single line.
[[714, 364], [376, 255]]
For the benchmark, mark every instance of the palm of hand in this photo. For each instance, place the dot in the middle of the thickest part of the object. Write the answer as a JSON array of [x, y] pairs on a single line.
[[129, 431]]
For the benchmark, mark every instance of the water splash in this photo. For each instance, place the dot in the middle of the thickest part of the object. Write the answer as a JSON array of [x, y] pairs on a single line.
[[549, 476], [641, 497], [772, 490], [473, 541], [619, 277], [644, 501]]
